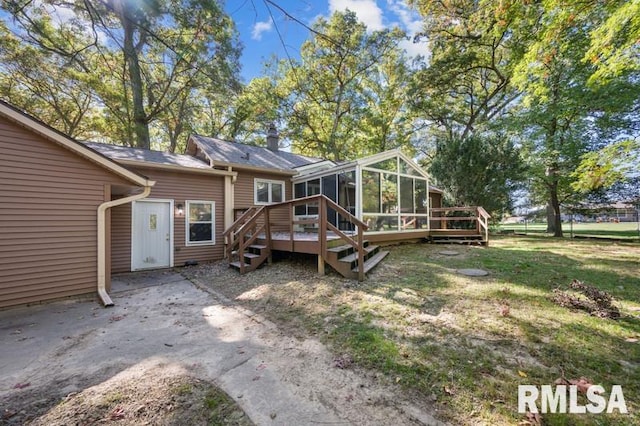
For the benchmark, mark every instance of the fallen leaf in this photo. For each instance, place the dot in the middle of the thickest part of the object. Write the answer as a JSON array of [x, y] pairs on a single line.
[[262, 366], [522, 373], [583, 384], [533, 419], [448, 390], [21, 385], [504, 310], [117, 414], [561, 381], [632, 339]]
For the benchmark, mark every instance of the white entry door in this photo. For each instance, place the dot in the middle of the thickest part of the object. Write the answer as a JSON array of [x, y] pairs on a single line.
[[151, 234]]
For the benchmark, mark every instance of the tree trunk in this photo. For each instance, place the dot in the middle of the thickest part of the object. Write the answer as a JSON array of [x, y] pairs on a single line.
[[140, 124], [554, 220], [551, 218]]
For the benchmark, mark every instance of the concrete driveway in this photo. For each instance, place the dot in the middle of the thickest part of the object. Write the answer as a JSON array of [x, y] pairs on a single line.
[[161, 318]]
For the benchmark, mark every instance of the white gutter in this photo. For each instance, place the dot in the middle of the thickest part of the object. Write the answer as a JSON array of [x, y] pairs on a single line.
[[102, 239]]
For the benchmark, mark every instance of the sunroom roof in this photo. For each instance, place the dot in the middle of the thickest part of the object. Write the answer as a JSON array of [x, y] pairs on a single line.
[[384, 161]]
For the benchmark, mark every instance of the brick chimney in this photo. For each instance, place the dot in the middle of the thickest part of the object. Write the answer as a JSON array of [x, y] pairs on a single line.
[[272, 138]]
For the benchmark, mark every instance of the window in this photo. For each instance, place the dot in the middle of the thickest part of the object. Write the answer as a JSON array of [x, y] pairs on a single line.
[[200, 223], [300, 191], [268, 191], [370, 191]]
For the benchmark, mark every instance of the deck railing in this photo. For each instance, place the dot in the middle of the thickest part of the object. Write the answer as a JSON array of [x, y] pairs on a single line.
[[255, 223], [245, 231], [474, 217], [324, 226]]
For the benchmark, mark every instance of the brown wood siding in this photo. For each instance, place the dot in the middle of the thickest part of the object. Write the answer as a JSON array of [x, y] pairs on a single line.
[[178, 187], [121, 238], [48, 218], [244, 194]]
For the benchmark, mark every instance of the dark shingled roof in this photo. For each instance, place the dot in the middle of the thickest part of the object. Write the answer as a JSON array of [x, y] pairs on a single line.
[[123, 153], [254, 156]]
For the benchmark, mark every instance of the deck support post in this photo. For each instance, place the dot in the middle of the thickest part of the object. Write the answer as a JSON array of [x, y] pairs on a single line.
[[320, 265]]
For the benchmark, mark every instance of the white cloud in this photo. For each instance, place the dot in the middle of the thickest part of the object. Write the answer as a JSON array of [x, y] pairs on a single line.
[[261, 27], [395, 14], [367, 11], [411, 22]]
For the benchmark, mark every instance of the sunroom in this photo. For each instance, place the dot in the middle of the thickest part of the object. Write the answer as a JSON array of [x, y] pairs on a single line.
[[387, 191]]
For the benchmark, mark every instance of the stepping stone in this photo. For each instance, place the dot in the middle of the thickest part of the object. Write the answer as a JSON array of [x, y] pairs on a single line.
[[449, 252], [473, 272]]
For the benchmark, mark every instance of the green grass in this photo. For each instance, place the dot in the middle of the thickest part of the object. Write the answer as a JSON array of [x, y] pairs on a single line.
[[444, 336], [465, 344], [621, 230]]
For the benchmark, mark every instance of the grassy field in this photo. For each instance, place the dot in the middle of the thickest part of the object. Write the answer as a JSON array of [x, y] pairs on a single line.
[[610, 230], [462, 345]]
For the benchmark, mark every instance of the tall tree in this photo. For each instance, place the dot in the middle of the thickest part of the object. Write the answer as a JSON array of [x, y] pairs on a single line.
[[563, 115], [479, 171], [325, 93], [532, 61], [466, 83], [140, 57], [463, 92], [38, 82]]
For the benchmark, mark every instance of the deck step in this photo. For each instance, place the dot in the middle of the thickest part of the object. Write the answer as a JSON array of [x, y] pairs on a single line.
[[236, 265], [258, 246], [354, 256], [246, 253], [342, 248], [457, 237], [251, 255], [372, 261]]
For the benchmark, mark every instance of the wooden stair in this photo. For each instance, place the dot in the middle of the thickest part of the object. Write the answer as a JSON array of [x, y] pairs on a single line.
[[453, 238], [255, 257], [246, 252], [344, 259]]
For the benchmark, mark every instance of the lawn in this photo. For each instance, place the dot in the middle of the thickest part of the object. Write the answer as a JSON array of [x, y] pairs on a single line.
[[462, 345], [622, 230]]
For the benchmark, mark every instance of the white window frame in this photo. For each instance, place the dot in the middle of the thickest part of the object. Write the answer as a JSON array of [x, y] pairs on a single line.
[[187, 224], [270, 183]]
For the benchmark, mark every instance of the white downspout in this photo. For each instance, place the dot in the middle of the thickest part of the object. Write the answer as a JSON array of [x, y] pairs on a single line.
[[102, 240]]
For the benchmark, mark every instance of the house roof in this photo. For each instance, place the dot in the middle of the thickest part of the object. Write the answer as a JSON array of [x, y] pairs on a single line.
[[124, 153], [237, 154], [71, 144], [155, 159]]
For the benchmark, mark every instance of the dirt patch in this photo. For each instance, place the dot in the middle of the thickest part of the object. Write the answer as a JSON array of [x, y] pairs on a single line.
[[159, 394]]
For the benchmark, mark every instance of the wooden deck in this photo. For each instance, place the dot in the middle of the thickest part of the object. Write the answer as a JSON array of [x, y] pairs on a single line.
[[251, 239], [300, 242]]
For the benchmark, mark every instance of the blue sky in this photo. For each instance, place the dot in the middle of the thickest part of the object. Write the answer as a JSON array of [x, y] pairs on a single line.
[[259, 23]]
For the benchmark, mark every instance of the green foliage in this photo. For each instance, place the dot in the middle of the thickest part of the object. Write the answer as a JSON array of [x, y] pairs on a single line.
[[478, 171], [346, 96], [604, 168], [145, 65], [254, 108], [562, 115], [466, 84]]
